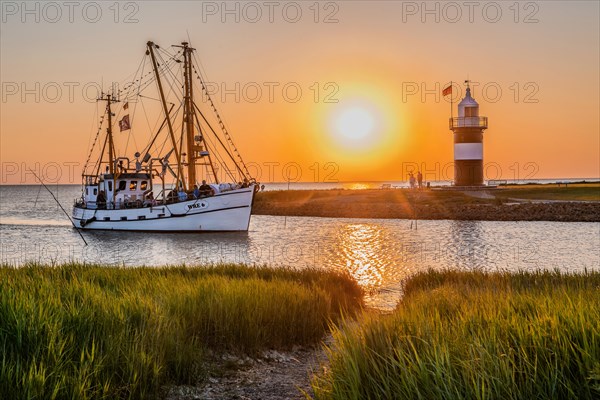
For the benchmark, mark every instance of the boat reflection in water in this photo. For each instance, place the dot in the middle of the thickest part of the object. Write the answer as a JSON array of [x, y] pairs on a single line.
[[171, 249]]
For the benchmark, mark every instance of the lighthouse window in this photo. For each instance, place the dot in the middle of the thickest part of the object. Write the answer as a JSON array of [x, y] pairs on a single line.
[[132, 185], [470, 111], [144, 185]]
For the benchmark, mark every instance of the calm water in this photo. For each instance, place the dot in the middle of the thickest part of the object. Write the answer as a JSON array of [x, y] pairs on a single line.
[[378, 253]]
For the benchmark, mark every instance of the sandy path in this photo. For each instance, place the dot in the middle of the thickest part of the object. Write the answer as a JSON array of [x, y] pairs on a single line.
[[273, 376]]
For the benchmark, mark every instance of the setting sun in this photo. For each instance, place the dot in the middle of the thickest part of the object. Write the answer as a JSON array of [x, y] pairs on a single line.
[[354, 124], [357, 125], [364, 130]]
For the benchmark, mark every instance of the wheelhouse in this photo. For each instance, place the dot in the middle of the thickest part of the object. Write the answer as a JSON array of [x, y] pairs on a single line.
[[126, 190]]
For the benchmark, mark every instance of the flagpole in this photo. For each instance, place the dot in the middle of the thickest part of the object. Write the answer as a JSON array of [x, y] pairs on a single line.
[[451, 104]]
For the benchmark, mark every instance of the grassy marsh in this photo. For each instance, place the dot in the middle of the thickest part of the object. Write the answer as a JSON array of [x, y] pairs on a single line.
[[474, 335], [81, 331]]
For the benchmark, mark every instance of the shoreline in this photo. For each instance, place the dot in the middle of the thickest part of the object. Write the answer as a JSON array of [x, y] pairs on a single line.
[[423, 205]]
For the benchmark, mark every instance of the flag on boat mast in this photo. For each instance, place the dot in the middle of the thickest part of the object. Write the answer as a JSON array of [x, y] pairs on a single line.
[[126, 106], [124, 123]]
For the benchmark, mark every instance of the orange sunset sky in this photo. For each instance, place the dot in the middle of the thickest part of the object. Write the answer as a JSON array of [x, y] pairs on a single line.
[[362, 68]]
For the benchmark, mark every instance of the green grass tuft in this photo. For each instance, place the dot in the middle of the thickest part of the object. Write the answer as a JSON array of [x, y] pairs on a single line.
[[94, 332], [571, 192], [474, 335]]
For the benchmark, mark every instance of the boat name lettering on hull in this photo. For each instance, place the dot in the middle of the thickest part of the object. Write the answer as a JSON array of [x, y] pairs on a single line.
[[197, 205]]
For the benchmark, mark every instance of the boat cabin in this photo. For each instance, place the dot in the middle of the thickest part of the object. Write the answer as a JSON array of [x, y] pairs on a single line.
[[128, 190]]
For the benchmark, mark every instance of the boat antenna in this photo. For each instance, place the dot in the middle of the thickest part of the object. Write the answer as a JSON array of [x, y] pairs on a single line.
[[60, 205]]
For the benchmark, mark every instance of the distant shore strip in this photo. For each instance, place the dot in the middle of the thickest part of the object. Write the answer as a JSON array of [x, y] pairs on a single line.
[[572, 204]]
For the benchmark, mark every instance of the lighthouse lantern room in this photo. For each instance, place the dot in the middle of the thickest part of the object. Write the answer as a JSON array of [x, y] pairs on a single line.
[[468, 130]]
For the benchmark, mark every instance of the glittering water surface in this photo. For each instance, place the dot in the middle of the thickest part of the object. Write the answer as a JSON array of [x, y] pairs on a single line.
[[378, 253]]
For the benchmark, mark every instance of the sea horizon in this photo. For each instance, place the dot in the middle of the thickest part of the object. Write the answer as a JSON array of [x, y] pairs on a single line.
[[348, 182]]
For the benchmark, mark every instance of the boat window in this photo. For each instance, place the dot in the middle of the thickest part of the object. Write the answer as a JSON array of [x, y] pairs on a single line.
[[95, 191], [144, 185], [110, 186], [122, 185], [132, 185], [87, 191]]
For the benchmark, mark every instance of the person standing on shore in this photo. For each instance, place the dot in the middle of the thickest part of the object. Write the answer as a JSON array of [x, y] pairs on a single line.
[[420, 179], [411, 180]]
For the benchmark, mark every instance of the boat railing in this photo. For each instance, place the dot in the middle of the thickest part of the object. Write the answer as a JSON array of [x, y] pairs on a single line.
[[118, 205], [126, 205]]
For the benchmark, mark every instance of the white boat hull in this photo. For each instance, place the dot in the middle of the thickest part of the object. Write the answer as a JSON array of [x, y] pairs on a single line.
[[229, 211]]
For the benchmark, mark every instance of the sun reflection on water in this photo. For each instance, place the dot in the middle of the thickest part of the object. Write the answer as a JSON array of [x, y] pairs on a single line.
[[357, 186], [360, 247]]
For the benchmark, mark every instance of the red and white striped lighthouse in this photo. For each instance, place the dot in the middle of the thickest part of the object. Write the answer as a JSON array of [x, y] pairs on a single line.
[[468, 130]]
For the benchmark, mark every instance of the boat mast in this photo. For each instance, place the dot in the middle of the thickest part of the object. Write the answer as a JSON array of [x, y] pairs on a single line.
[[150, 51], [189, 114], [109, 135], [195, 151]]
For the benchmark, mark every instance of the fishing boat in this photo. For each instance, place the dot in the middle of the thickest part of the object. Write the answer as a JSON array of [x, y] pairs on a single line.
[[188, 176]]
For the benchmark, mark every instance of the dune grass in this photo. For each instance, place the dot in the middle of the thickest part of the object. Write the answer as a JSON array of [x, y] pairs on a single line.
[[93, 332], [572, 192], [474, 335]]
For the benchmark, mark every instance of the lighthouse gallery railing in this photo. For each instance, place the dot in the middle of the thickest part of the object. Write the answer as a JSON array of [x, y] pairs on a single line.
[[468, 122]]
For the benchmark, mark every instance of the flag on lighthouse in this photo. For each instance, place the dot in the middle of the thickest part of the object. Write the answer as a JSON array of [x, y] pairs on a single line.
[[447, 90], [124, 123]]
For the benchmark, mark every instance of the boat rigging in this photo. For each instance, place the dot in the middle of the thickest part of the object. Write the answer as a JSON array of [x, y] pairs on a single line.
[[163, 187]]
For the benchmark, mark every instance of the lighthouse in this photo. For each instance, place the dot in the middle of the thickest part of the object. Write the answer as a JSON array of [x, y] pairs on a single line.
[[468, 130]]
